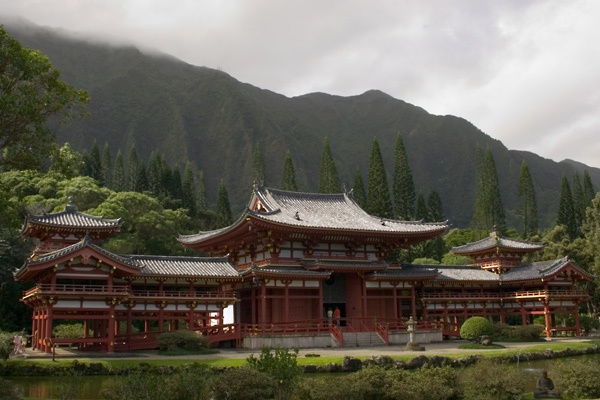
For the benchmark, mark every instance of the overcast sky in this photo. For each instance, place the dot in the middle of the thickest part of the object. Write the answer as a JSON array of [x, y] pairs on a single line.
[[524, 72]]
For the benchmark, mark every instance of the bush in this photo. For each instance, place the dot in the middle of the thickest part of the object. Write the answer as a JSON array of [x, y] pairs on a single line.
[[281, 366], [578, 379], [6, 345], [491, 380], [181, 340], [242, 384], [475, 327], [75, 330], [527, 332]]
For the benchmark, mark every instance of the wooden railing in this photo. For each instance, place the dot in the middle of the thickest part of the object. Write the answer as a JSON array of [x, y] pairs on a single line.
[[506, 296], [77, 289], [383, 332], [181, 294], [337, 334]]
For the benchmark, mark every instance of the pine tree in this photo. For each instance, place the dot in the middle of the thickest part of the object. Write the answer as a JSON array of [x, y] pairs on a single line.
[[379, 202], [154, 173], [435, 207], [489, 212], [107, 168], [258, 166], [176, 189], [404, 187], [201, 198], [188, 190], [118, 178], [142, 185], [579, 205], [92, 166], [421, 212], [132, 170], [566, 214], [288, 176], [358, 191], [329, 181], [224, 217], [528, 212], [588, 189]]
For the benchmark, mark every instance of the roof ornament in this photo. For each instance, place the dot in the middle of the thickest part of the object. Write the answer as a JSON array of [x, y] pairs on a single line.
[[297, 216], [382, 221], [70, 205]]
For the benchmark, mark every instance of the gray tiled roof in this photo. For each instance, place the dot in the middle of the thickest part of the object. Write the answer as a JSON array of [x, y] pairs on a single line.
[[70, 217], [204, 267], [292, 271], [320, 211], [343, 263], [536, 270], [407, 271], [493, 241]]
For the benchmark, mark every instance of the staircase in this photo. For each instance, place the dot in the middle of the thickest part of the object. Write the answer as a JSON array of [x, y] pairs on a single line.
[[362, 339]]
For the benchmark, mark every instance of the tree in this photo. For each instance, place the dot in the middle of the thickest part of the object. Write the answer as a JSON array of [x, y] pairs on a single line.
[[421, 212], [118, 175], [132, 170], [329, 181], [107, 168], [93, 163], [475, 327], [528, 213], [288, 178], [379, 202], [489, 211], [201, 200], [403, 187], [258, 166], [435, 207], [359, 192], [66, 161], [566, 213], [224, 217], [588, 189], [31, 93], [579, 204], [188, 190]]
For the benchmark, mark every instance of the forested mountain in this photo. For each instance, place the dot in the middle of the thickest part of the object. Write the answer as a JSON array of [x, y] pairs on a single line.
[[154, 101]]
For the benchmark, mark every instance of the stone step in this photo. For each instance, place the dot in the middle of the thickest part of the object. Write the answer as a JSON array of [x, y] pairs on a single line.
[[362, 339]]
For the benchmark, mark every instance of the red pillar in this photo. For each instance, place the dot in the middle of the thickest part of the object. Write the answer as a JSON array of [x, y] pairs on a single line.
[[48, 327], [413, 301], [286, 303], [395, 299], [263, 303], [576, 317], [111, 329], [547, 319]]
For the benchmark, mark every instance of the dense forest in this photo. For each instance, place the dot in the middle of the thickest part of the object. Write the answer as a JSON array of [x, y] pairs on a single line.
[[159, 198]]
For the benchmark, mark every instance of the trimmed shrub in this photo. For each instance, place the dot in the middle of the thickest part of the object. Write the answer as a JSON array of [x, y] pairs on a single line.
[[181, 340], [10, 390], [475, 327]]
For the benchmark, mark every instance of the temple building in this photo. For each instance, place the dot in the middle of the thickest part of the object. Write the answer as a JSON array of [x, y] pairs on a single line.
[[298, 269]]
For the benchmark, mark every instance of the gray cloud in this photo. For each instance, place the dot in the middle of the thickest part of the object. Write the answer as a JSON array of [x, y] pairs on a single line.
[[525, 72]]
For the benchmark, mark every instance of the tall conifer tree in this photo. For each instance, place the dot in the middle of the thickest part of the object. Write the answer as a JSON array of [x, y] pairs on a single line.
[[566, 214], [489, 211], [435, 207], [404, 187], [421, 212], [118, 178], [188, 190], [201, 198], [358, 190], [258, 166], [107, 168], [132, 170], [528, 212], [288, 176], [92, 166], [224, 217], [379, 202], [329, 181], [579, 205], [588, 189], [142, 185]]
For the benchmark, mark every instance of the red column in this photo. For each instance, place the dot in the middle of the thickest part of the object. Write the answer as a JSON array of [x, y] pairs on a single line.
[[48, 327], [395, 299], [263, 303], [576, 317], [111, 329], [286, 303], [547, 319], [413, 301]]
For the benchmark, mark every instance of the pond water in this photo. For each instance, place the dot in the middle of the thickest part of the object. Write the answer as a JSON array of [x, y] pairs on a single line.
[[89, 387]]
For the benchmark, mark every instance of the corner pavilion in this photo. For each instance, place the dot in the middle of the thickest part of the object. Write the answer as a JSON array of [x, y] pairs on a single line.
[[289, 259]]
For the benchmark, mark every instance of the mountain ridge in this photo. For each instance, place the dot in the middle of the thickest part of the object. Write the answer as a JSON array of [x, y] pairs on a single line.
[[155, 101]]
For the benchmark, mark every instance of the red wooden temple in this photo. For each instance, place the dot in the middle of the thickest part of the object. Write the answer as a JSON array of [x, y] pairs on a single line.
[[289, 259]]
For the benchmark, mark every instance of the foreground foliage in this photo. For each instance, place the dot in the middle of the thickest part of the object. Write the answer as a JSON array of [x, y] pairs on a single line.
[[578, 379]]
